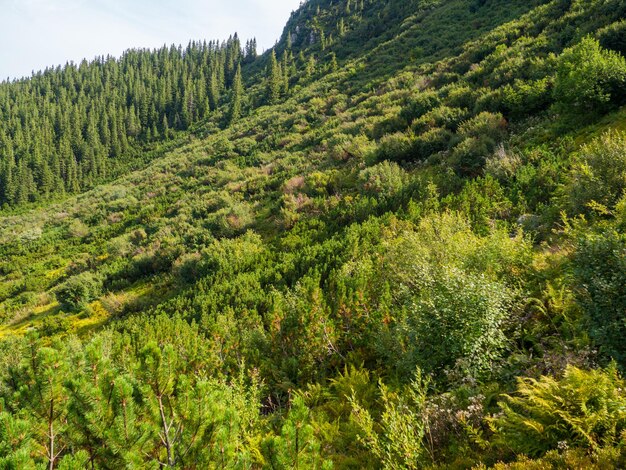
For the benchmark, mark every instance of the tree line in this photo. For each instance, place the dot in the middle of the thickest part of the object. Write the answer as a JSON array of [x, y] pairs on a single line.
[[67, 128]]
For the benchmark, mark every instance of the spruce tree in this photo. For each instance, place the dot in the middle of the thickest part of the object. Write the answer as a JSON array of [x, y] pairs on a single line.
[[274, 79], [341, 27], [237, 97], [333, 62], [214, 90], [310, 67], [285, 69]]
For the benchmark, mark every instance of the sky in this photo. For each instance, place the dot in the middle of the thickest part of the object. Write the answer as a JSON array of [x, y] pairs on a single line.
[[35, 34]]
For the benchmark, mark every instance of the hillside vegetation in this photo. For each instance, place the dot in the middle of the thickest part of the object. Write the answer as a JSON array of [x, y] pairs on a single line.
[[396, 240]]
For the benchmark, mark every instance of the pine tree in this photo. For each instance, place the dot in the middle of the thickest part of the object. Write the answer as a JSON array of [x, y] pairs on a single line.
[[44, 401], [296, 447]]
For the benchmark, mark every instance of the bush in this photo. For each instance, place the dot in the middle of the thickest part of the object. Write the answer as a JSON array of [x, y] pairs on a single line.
[[77, 229], [600, 174], [503, 164], [462, 96], [449, 304], [454, 324], [614, 37], [55, 325], [418, 105], [526, 97], [600, 274], [431, 142], [78, 291], [468, 158], [396, 147], [396, 438], [486, 125], [344, 147], [443, 116], [384, 179], [590, 79], [188, 267]]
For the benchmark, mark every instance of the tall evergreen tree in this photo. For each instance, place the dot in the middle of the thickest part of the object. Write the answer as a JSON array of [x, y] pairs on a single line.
[[237, 96], [274, 79]]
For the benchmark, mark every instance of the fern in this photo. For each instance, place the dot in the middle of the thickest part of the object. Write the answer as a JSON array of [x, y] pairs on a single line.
[[582, 409]]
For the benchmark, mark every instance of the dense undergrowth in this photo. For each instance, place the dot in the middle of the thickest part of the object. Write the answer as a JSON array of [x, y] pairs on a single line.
[[396, 241]]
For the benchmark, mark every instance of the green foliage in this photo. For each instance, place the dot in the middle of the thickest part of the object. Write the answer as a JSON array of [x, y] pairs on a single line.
[[456, 324], [582, 409], [599, 174], [523, 97], [396, 439], [123, 400], [449, 298], [78, 291], [266, 255], [383, 180], [600, 276], [432, 142], [296, 446], [484, 125], [480, 136], [590, 79], [396, 147], [614, 37]]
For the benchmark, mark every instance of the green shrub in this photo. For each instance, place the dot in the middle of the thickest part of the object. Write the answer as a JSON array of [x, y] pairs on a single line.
[[51, 326], [396, 147], [526, 97], [614, 37], [469, 157], [503, 164], [443, 116], [396, 439], [384, 180], [188, 267], [454, 325], [78, 291], [431, 142], [590, 79], [344, 147], [462, 96], [486, 125], [599, 175], [418, 105], [600, 275], [481, 135], [482, 201], [77, 229]]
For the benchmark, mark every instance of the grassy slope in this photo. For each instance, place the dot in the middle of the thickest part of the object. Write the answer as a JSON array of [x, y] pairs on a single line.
[[237, 179]]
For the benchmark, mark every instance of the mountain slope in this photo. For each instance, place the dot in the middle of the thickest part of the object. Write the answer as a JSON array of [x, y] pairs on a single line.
[[432, 201]]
